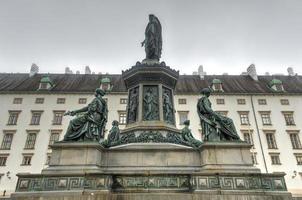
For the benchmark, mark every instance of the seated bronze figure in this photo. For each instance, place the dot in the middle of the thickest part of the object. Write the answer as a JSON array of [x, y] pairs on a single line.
[[215, 127]]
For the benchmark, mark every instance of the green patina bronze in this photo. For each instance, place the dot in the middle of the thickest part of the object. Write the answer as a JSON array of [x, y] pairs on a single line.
[[150, 103], [215, 127], [168, 110], [153, 39], [90, 122], [188, 137]]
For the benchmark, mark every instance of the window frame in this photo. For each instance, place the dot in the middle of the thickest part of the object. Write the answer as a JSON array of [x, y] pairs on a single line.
[[38, 100], [282, 102], [179, 116], [276, 155], [10, 121], [122, 119], [82, 100], [17, 100], [61, 100], [23, 163], [5, 133], [33, 113], [123, 100], [57, 120], [51, 141], [30, 143], [241, 101], [262, 102], [182, 101], [244, 120], [220, 101], [289, 118], [271, 142], [3, 155], [266, 118]]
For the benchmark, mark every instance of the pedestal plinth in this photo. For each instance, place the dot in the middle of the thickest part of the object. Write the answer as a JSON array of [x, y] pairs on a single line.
[[151, 171]]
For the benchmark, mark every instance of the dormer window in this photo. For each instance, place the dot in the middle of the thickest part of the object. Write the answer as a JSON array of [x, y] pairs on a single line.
[[45, 83], [276, 85], [217, 85], [105, 84]]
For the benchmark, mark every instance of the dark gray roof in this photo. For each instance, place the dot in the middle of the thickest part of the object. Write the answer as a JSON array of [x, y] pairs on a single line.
[[187, 84]]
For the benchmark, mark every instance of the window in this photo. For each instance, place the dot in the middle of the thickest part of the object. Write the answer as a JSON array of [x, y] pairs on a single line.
[[30, 140], [57, 117], [262, 101], [35, 118], [39, 100], [244, 118], [289, 118], [271, 141], [220, 101], [60, 100], [122, 117], [248, 136], [266, 118], [275, 159], [123, 101], [284, 101], [17, 100], [7, 141], [82, 100], [43, 86], [27, 159], [182, 101], [223, 113], [183, 116], [241, 101], [54, 136], [13, 117], [295, 140], [254, 158], [3, 159], [299, 159], [279, 87]]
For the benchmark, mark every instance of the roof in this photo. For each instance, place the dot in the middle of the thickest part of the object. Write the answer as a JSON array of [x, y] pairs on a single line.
[[186, 84]]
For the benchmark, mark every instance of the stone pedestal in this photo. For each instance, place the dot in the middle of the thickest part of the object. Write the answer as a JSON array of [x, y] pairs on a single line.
[[151, 171]]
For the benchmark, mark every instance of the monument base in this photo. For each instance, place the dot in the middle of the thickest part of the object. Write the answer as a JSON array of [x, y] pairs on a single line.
[[151, 171]]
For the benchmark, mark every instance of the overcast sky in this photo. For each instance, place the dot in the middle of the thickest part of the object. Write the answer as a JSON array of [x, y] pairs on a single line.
[[222, 35]]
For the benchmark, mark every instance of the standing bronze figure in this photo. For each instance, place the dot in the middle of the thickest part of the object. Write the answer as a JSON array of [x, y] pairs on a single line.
[[215, 127], [153, 38], [90, 124]]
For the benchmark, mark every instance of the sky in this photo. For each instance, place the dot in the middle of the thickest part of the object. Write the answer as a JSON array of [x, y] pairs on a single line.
[[225, 36]]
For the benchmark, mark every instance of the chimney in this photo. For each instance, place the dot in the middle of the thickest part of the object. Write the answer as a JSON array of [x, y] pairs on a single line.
[[87, 70], [290, 71], [251, 71], [67, 70], [201, 73], [34, 69]]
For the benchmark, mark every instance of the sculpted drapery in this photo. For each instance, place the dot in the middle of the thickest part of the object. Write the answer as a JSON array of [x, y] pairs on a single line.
[[215, 127], [90, 124], [153, 38]]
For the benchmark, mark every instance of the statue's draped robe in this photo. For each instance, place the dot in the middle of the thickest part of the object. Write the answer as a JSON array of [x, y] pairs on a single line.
[[153, 39], [89, 125], [214, 125]]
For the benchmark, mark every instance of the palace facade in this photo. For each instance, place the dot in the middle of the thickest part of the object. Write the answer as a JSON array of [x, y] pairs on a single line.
[[266, 111]]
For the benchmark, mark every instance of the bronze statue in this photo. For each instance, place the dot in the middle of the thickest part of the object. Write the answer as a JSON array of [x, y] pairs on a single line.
[[90, 124], [150, 105], [168, 108], [133, 105], [153, 39], [188, 137], [114, 133], [215, 127]]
